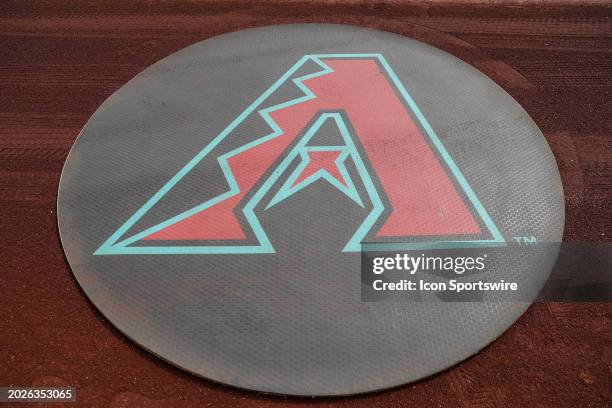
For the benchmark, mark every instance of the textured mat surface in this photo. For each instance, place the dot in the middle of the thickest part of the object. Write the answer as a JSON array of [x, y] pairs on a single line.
[[42, 140], [231, 247]]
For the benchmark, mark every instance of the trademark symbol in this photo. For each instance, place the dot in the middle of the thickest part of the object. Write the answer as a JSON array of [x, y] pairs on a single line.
[[527, 240]]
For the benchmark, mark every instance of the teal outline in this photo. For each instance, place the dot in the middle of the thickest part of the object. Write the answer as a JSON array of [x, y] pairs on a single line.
[[112, 246], [289, 187], [354, 244]]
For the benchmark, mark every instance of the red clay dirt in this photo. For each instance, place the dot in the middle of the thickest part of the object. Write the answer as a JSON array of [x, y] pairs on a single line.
[[60, 60]]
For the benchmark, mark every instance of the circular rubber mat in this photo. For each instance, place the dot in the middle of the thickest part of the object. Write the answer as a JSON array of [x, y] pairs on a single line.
[[214, 208]]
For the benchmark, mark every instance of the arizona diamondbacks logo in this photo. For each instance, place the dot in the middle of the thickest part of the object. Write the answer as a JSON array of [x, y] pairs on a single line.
[[386, 159]]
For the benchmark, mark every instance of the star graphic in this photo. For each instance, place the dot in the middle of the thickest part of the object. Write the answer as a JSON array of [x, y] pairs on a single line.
[[319, 162]]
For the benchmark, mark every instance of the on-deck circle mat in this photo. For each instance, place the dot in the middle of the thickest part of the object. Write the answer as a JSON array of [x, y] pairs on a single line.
[[214, 208]]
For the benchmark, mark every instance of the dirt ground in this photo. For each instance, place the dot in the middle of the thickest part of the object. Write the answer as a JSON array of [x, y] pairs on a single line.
[[60, 60]]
